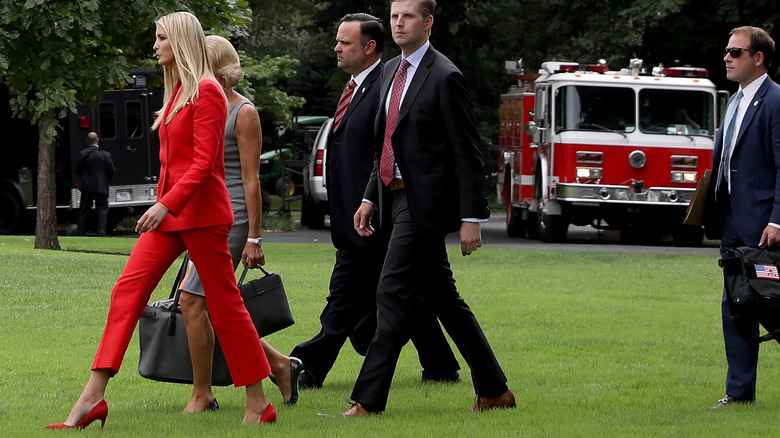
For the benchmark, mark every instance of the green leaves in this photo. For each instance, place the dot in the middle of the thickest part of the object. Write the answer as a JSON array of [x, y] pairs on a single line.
[[51, 50], [259, 85]]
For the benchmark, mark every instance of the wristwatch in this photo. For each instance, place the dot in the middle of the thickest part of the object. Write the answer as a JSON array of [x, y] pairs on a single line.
[[256, 240]]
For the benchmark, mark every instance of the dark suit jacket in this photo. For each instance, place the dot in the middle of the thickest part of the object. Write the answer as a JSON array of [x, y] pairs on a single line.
[[94, 169], [436, 146], [350, 159], [755, 180]]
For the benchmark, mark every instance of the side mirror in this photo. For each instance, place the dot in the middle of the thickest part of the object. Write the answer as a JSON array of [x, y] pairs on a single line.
[[531, 128]]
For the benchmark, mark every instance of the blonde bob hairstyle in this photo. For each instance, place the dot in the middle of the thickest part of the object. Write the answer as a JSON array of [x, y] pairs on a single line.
[[224, 61], [188, 43]]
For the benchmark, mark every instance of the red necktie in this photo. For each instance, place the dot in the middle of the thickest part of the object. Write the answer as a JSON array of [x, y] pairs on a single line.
[[344, 103], [388, 156]]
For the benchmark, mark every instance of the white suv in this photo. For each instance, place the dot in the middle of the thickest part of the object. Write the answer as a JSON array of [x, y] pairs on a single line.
[[315, 195]]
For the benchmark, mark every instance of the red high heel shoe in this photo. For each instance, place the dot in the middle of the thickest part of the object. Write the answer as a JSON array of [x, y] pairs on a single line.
[[269, 414], [99, 412]]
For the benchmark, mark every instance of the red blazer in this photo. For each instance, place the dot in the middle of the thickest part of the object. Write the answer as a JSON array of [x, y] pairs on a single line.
[[192, 158]]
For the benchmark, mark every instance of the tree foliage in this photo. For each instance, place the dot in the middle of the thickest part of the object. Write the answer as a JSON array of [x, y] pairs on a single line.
[[86, 46], [478, 35], [52, 51], [260, 85]]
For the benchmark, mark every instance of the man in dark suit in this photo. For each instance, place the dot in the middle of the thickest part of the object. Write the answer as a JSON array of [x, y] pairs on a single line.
[[350, 158], [428, 181], [747, 190], [94, 168]]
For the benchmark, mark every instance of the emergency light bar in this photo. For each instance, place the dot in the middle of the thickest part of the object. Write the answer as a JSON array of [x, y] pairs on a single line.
[[695, 72], [573, 67]]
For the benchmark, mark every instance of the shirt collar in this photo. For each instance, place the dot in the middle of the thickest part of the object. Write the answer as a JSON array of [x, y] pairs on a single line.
[[363, 74], [415, 58], [752, 88]]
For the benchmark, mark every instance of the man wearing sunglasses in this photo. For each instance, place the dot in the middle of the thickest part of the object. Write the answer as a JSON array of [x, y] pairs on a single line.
[[747, 191]]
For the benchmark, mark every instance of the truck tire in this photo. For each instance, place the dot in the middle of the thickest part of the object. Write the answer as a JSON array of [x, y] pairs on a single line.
[[515, 225], [11, 212], [311, 215], [552, 228], [531, 227], [285, 185]]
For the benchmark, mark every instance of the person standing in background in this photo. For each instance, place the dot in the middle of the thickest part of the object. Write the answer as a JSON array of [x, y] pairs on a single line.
[[747, 189], [94, 169]]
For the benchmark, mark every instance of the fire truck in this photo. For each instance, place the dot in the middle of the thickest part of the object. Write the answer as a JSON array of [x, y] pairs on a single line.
[[624, 150], [122, 118]]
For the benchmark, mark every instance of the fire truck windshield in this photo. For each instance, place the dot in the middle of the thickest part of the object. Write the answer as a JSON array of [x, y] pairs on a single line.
[[595, 108], [676, 112]]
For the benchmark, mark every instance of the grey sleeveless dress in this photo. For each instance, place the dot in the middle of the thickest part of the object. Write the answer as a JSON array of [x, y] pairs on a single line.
[[240, 229]]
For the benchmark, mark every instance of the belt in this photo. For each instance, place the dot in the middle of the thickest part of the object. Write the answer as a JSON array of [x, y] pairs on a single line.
[[396, 184]]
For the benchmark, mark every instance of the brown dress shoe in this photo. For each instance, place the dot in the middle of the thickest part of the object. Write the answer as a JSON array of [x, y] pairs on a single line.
[[505, 400], [355, 410]]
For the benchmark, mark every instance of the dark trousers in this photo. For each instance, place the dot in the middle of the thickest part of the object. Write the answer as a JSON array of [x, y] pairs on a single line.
[[101, 205], [741, 355], [417, 262], [352, 296]]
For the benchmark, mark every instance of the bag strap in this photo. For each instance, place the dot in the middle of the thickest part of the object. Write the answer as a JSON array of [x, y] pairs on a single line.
[[246, 269], [179, 278], [176, 293]]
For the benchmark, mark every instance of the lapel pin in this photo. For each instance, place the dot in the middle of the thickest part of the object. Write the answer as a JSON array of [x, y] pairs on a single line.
[[364, 90], [755, 103]]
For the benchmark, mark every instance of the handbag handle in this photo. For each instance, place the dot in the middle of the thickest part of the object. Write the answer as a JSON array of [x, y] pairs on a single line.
[[246, 269], [176, 293], [179, 278]]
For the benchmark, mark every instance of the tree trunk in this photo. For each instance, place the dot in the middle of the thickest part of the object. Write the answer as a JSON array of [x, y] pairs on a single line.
[[46, 216]]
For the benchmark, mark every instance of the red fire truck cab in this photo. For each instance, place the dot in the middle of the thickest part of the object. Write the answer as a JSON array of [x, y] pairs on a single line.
[[584, 145]]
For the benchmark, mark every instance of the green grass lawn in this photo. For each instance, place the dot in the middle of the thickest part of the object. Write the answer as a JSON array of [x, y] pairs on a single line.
[[593, 344]]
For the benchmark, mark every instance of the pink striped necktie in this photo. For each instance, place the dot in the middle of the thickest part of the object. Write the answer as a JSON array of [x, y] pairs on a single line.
[[388, 156], [344, 103]]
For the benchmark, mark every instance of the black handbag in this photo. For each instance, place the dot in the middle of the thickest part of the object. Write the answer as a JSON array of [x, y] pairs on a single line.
[[165, 353], [266, 302], [752, 282]]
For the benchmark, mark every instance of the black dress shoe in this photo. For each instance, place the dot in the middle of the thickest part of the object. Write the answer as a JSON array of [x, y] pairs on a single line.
[[296, 367], [306, 380], [211, 407], [430, 377], [729, 400]]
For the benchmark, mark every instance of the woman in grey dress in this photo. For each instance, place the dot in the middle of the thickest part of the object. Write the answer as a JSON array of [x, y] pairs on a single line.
[[243, 143]]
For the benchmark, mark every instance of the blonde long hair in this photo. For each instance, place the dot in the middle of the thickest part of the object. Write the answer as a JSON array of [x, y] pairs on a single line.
[[188, 43]]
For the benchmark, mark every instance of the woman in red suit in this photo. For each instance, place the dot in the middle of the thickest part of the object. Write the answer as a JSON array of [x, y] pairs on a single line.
[[193, 213]]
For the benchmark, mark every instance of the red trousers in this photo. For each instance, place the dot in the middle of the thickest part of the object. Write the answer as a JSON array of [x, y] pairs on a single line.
[[149, 260]]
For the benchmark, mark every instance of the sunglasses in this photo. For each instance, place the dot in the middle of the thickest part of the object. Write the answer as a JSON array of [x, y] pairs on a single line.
[[736, 51]]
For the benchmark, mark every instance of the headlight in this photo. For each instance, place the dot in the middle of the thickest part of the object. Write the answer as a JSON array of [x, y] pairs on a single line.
[[589, 172], [685, 177], [637, 159]]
